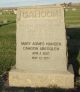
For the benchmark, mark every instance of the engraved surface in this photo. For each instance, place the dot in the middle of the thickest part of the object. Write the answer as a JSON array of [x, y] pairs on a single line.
[[41, 59], [41, 40]]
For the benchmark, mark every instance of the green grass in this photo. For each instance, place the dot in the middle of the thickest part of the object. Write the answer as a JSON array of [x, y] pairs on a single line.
[[72, 17], [9, 16], [7, 46], [7, 42]]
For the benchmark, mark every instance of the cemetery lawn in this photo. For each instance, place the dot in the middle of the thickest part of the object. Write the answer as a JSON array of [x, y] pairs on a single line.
[[9, 16], [7, 41], [72, 17], [8, 37]]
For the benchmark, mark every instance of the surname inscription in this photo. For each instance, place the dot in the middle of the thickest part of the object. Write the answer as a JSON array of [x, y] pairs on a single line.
[[39, 13]]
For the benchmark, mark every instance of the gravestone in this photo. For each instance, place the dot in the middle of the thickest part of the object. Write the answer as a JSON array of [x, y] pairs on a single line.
[[41, 55]]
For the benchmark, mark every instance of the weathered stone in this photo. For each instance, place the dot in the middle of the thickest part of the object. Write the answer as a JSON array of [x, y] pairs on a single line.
[[48, 79], [41, 55]]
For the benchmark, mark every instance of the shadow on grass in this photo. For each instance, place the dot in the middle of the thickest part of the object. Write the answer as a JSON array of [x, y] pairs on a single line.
[[29, 89], [73, 35]]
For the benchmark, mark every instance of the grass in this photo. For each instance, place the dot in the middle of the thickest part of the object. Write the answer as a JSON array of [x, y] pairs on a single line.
[[7, 42], [9, 16], [72, 17], [8, 36]]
